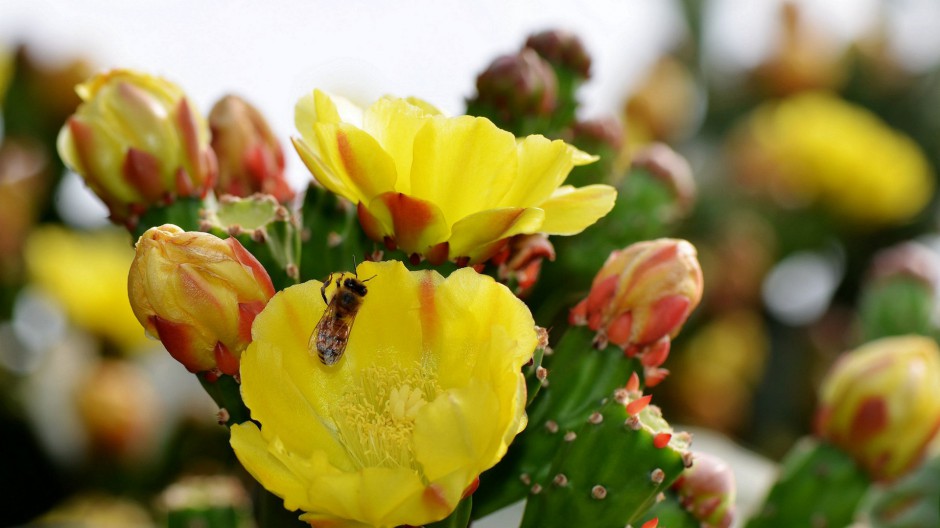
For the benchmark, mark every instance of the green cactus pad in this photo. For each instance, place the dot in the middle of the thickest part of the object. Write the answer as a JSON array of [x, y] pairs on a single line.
[[911, 502], [818, 485], [331, 236]]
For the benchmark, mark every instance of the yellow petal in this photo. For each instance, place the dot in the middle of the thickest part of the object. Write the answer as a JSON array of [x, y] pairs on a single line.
[[543, 166], [473, 235], [321, 171], [462, 164], [254, 453], [356, 159], [394, 123], [569, 211], [414, 225]]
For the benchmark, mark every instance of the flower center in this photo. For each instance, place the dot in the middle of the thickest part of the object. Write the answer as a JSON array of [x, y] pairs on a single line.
[[375, 417]]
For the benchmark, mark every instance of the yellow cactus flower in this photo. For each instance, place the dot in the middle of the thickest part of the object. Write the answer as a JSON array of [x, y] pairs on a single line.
[[198, 294], [137, 141], [815, 147], [881, 403], [428, 394], [445, 188], [85, 273]]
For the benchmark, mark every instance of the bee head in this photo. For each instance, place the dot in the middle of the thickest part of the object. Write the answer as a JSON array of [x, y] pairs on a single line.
[[356, 286]]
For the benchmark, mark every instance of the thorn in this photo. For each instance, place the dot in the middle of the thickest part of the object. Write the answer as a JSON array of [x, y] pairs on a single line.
[[570, 436], [223, 416], [622, 396], [599, 492], [661, 440], [536, 489], [259, 235], [205, 226], [547, 351], [657, 476], [525, 478], [281, 213], [292, 271], [333, 239], [541, 373], [595, 418], [687, 459], [551, 426], [560, 480], [633, 423], [542, 334], [660, 497], [235, 230], [544, 383], [305, 235]]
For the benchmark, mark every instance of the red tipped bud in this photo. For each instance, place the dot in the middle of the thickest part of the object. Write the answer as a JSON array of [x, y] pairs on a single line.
[[562, 49], [198, 294], [137, 142], [518, 85], [642, 296], [250, 157], [707, 490], [881, 403], [523, 260]]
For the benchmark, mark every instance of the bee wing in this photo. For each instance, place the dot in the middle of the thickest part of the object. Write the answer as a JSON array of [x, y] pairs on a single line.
[[330, 336]]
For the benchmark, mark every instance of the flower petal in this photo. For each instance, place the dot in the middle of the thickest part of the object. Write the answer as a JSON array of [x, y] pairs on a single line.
[[394, 123], [466, 179], [415, 225], [569, 211], [356, 159], [254, 453], [543, 166], [476, 235]]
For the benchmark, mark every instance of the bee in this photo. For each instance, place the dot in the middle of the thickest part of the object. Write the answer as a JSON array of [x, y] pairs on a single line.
[[331, 334]]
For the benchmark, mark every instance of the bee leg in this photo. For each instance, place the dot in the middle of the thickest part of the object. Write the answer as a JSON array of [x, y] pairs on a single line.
[[323, 288]]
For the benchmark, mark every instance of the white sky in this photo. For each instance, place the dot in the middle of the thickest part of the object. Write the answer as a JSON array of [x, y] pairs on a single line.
[[273, 52]]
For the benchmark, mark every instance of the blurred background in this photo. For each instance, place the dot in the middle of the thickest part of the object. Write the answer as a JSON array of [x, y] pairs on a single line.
[[812, 131]]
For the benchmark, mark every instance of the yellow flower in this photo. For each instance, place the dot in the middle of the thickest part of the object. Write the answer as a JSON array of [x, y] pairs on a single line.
[[85, 272], [441, 187], [137, 141], [815, 147], [881, 403], [427, 396]]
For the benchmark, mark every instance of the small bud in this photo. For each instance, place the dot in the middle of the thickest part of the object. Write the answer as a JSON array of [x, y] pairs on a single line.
[[641, 297], [707, 491], [519, 85], [198, 294], [562, 49], [137, 141], [250, 158], [881, 403], [671, 168]]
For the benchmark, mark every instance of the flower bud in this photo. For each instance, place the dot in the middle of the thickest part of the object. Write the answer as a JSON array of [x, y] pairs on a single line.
[[642, 296], [707, 490], [199, 295], [907, 259], [670, 167], [521, 262], [562, 49], [250, 158], [881, 403], [137, 142], [518, 85]]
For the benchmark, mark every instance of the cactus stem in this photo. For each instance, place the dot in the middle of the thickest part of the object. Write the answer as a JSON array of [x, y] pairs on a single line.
[[596, 418], [560, 480], [536, 489], [661, 440], [551, 426], [570, 436], [599, 492], [657, 476]]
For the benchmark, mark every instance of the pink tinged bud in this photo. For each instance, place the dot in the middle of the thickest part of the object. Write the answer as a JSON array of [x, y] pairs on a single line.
[[707, 490], [881, 404], [199, 295], [562, 48], [250, 157], [519, 85], [642, 296], [137, 143]]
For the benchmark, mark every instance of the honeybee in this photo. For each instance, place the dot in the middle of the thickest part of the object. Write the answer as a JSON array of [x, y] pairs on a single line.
[[331, 334]]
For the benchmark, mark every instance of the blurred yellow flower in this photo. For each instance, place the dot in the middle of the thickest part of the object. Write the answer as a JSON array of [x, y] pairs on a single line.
[[815, 147], [446, 188], [427, 396], [881, 403], [87, 274]]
